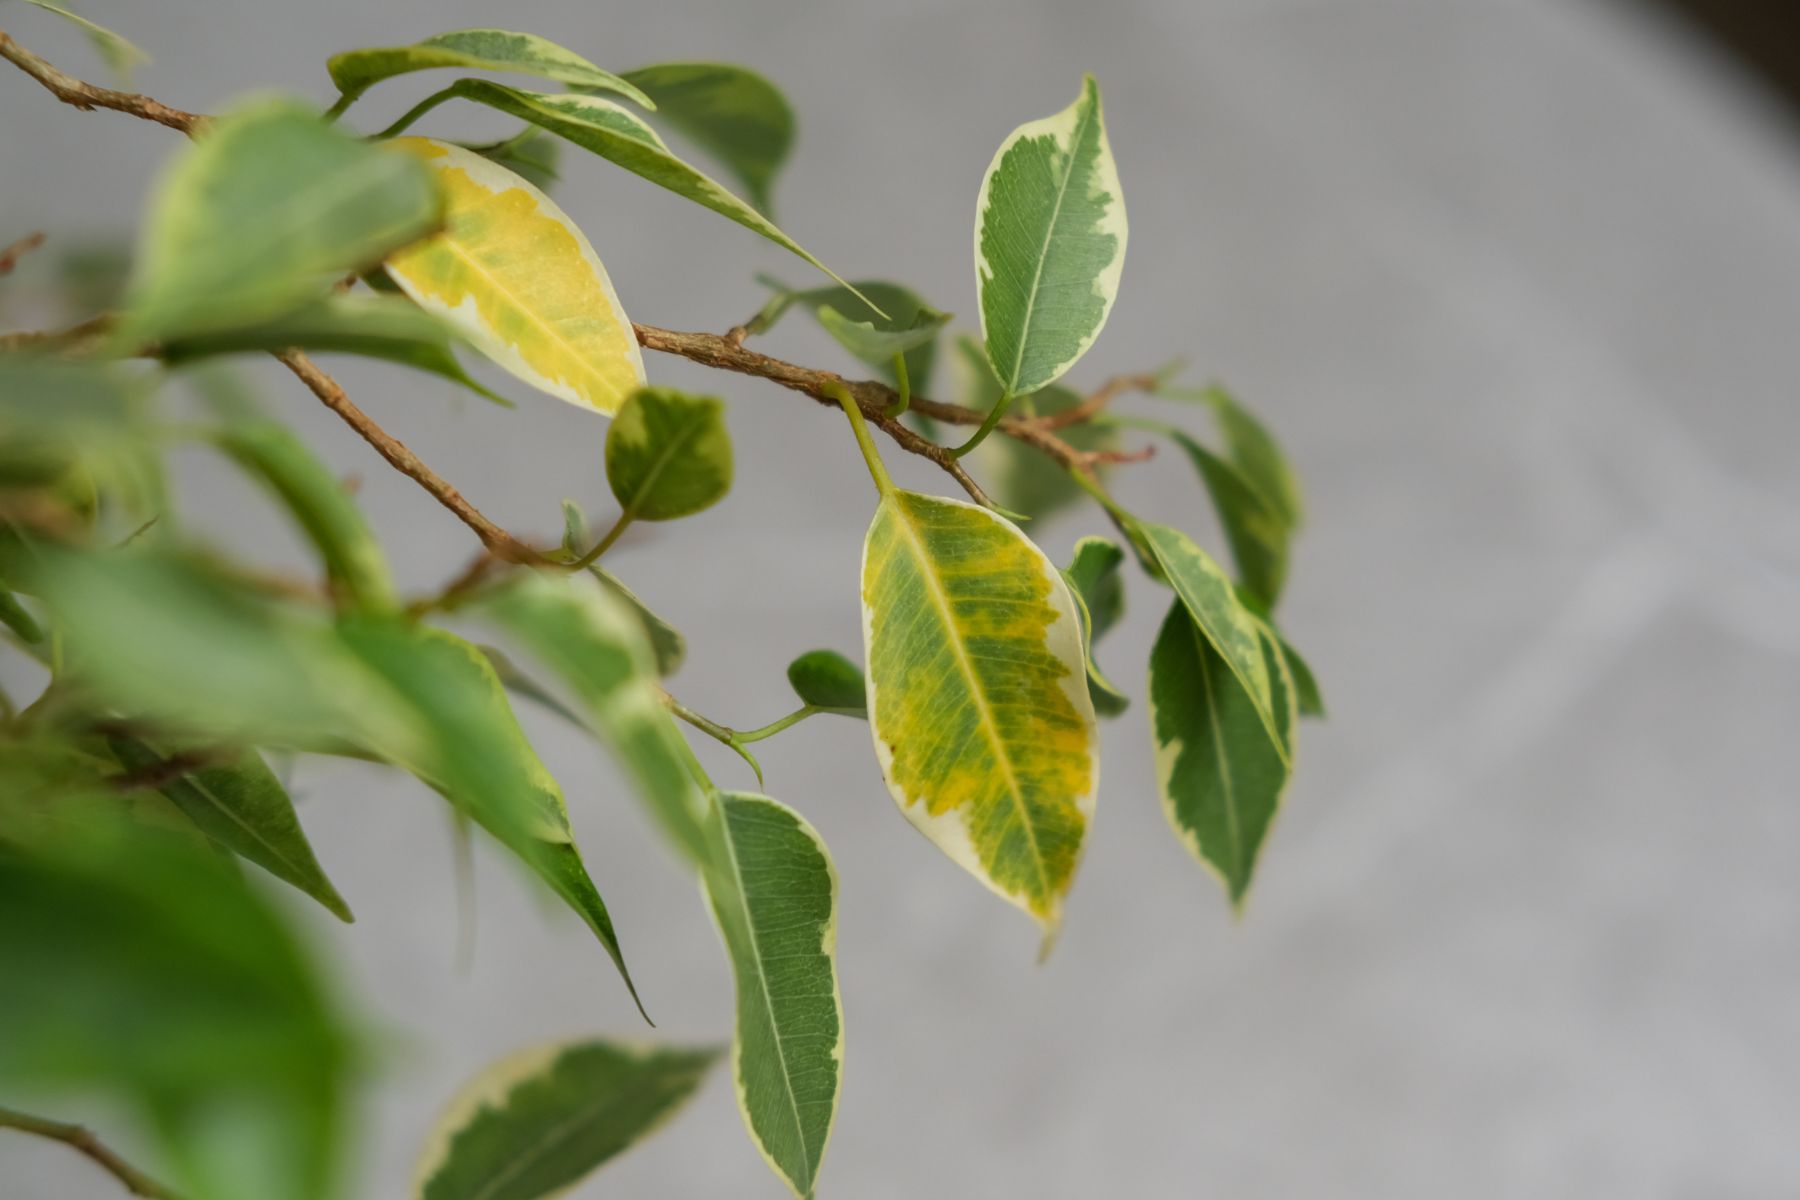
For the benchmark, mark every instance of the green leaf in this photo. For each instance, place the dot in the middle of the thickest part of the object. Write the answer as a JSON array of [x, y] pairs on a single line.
[[977, 697], [537, 1122], [1232, 629], [731, 112], [532, 154], [1220, 776], [668, 455], [1255, 530], [519, 280], [172, 639], [1307, 696], [1049, 244], [478, 757], [910, 326], [1093, 576], [119, 54], [74, 428], [58, 795], [1252, 449], [826, 679], [596, 645], [774, 894], [620, 136], [15, 617], [666, 642], [155, 976], [384, 327], [261, 214], [520, 683], [318, 501], [241, 805], [355, 71]]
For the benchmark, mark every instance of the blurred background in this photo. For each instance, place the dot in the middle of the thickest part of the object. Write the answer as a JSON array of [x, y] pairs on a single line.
[[1514, 280]]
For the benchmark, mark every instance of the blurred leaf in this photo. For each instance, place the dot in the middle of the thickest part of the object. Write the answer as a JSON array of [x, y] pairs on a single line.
[[1252, 449], [910, 327], [597, 646], [120, 55], [532, 155], [1023, 479], [1228, 626], [1307, 696], [318, 501], [515, 276], [241, 805], [58, 794], [534, 1123], [826, 679], [155, 977], [1220, 776], [172, 639], [774, 895], [666, 642], [384, 327], [355, 71], [72, 429], [620, 136], [1049, 244], [261, 214], [731, 112], [977, 696], [668, 455], [15, 617], [520, 683], [1255, 530], [478, 757], [1093, 576]]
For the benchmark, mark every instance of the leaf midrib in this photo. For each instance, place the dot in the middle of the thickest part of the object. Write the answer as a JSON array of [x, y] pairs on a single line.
[[686, 434], [555, 334], [1037, 273], [941, 602], [1233, 828], [762, 979]]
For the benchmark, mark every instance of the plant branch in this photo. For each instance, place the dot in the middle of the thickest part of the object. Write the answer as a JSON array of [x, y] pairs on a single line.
[[83, 1141], [10, 256], [498, 541], [88, 97]]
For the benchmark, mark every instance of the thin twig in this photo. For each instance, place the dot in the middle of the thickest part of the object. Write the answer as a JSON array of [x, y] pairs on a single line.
[[501, 543], [88, 97], [1091, 407], [80, 1139], [10, 256], [725, 352]]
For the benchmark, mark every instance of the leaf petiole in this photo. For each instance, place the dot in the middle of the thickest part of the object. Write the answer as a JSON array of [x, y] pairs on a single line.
[[987, 426], [865, 443], [901, 385]]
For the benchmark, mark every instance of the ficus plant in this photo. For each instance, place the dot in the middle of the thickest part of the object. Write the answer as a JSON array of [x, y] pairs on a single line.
[[143, 808]]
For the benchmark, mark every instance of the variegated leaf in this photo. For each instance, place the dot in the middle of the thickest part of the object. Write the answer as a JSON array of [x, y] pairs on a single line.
[[1220, 775], [1216, 610], [977, 695], [738, 116], [1049, 244], [534, 1123], [774, 895], [355, 71], [513, 274]]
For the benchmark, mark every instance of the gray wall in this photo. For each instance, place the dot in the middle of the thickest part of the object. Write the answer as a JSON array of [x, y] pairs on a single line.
[[1514, 279]]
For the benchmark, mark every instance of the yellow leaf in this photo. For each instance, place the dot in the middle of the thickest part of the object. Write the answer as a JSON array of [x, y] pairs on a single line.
[[978, 697], [515, 276]]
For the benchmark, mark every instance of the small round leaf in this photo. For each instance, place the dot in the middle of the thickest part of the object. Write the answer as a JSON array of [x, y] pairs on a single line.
[[668, 455]]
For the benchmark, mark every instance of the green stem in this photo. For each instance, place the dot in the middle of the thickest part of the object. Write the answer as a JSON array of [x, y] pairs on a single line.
[[79, 1139], [901, 385], [774, 727], [719, 733], [987, 426], [341, 105], [871, 456], [414, 113], [604, 544]]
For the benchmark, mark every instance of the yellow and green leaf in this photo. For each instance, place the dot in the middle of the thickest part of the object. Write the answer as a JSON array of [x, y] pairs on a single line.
[[513, 274], [978, 695]]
